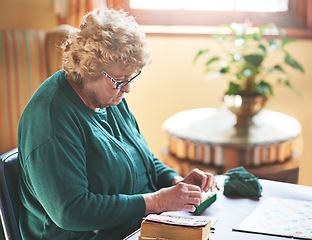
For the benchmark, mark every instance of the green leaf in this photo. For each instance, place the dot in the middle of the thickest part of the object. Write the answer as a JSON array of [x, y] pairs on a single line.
[[211, 60], [246, 60], [272, 42], [199, 53], [264, 88], [282, 37], [234, 88], [225, 69], [254, 59], [273, 45], [256, 37], [235, 57], [292, 62], [287, 83], [276, 68], [281, 34], [261, 30], [238, 75], [262, 47]]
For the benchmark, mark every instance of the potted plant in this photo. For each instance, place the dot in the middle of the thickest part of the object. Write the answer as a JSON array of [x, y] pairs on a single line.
[[251, 61]]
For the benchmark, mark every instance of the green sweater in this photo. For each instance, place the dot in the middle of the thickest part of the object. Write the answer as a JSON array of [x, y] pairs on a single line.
[[77, 173]]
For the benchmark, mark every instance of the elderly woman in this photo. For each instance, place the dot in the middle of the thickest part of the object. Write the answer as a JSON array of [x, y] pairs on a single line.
[[86, 171]]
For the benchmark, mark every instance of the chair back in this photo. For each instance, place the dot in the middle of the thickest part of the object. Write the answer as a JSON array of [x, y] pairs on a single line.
[[27, 58], [9, 199]]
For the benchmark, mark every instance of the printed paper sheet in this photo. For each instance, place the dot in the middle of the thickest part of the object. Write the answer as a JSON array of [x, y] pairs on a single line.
[[282, 217]]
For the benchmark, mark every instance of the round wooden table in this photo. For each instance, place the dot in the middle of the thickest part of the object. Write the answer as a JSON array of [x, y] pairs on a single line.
[[207, 138]]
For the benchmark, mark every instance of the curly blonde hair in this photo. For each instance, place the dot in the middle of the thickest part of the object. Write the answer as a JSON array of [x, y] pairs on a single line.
[[104, 38]]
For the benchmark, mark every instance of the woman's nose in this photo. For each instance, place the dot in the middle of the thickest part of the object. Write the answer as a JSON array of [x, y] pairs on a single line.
[[126, 88]]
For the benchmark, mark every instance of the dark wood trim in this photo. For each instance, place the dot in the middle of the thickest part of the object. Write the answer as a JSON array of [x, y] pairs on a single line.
[[309, 14]]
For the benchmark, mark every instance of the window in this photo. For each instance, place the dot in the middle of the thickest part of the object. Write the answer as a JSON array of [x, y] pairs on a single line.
[[294, 16], [220, 5]]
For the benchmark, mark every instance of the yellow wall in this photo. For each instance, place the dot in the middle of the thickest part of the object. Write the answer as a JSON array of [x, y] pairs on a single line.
[[172, 83], [34, 14]]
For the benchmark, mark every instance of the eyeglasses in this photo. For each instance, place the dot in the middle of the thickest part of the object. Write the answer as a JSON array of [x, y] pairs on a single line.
[[120, 85]]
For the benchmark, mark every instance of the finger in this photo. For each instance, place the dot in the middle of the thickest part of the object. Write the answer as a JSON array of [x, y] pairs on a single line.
[[210, 182], [196, 194], [204, 181], [194, 188], [199, 178], [189, 208], [207, 181], [194, 201], [194, 198], [217, 186]]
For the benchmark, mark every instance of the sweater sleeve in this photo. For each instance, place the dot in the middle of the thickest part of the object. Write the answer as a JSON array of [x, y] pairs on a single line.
[[165, 175], [61, 186]]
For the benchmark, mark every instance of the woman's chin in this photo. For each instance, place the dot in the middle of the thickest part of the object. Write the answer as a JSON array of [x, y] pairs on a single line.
[[116, 101]]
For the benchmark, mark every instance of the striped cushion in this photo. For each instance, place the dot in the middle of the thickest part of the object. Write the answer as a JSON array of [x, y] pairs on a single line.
[[27, 58], [23, 69], [54, 39]]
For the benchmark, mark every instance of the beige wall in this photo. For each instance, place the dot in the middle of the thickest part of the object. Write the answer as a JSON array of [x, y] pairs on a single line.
[[172, 83], [35, 14]]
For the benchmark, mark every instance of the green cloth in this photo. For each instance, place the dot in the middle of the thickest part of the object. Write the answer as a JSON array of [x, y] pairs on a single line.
[[77, 171], [242, 183]]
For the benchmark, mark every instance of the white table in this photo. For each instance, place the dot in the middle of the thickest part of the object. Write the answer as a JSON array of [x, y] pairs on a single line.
[[230, 211]]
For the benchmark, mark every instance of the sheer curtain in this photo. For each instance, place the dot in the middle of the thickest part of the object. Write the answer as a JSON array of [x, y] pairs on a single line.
[[71, 11]]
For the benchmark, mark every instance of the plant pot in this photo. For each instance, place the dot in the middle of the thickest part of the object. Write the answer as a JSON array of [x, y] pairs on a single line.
[[245, 107]]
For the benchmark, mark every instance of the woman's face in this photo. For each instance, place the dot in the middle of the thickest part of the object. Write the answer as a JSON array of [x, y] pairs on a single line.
[[102, 92]]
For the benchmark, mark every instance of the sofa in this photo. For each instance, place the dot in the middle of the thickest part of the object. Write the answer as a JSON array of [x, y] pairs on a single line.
[[27, 58]]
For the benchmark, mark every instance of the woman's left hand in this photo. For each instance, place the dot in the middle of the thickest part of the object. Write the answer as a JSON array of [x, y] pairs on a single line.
[[199, 178]]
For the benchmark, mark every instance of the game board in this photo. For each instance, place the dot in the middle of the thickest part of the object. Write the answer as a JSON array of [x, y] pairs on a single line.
[[281, 217]]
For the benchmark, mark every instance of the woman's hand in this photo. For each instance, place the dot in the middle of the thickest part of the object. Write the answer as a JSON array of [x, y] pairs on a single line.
[[180, 197], [184, 195], [199, 178]]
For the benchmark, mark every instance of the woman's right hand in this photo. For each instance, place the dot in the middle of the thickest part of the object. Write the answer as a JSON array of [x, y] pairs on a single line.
[[180, 197]]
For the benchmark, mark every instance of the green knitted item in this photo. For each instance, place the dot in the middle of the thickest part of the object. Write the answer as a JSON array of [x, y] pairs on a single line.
[[242, 183]]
